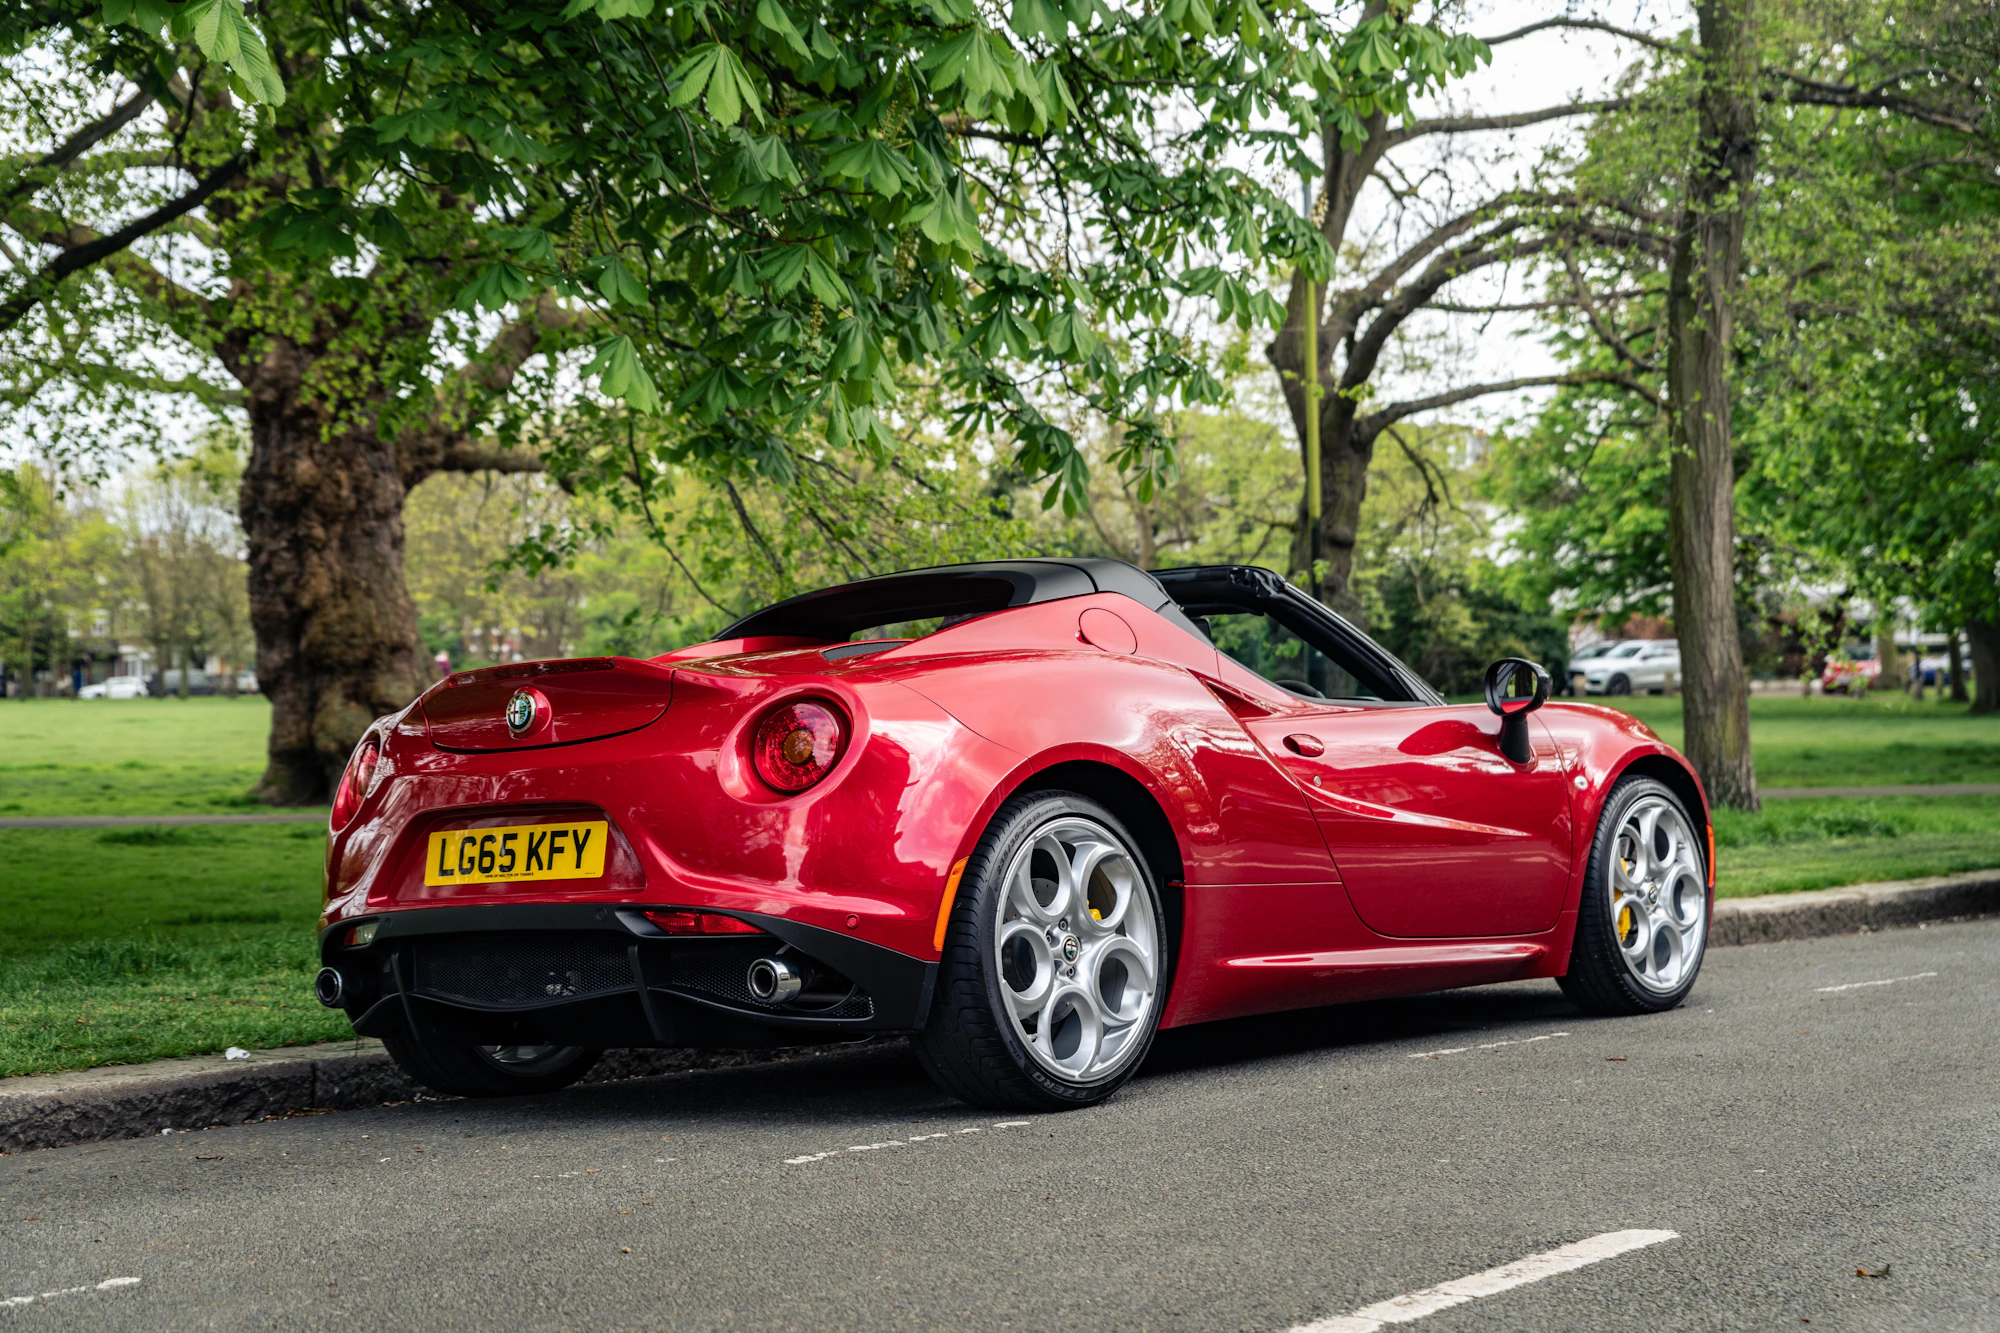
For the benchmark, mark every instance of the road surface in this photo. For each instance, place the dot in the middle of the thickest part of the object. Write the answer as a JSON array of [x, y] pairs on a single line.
[[1816, 1109]]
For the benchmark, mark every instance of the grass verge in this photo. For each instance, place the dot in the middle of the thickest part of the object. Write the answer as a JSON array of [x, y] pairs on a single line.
[[1827, 841], [134, 944]]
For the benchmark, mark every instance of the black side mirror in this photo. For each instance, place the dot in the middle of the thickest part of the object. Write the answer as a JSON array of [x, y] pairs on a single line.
[[1507, 675]]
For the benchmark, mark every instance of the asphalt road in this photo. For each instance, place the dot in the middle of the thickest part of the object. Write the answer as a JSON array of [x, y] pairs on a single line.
[[1258, 1176]]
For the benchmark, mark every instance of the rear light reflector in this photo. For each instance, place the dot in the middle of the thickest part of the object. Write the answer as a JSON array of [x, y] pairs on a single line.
[[356, 782], [797, 744], [701, 923]]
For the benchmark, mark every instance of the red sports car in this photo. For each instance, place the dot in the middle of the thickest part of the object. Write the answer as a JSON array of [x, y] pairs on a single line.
[[1029, 812]]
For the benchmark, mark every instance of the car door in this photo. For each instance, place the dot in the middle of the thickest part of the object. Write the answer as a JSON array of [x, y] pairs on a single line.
[[1434, 832]]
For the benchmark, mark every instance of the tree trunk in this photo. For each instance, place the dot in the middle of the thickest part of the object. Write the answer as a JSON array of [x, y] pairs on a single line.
[[1888, 662], [1708, 251], [1984, 636], [337, 642], [1956, 654]]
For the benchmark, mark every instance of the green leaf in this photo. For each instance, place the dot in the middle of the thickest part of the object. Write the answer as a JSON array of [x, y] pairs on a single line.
[[620, 375], [873, 162], [501, 285], [785, 268], [618, 283], [1032, 18], [824, 282], [623, 9], [730, 90], [692, 75], [773, 16], [224, 35]]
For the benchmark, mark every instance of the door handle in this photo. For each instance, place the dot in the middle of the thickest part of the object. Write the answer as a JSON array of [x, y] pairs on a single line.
[[1309, 746]]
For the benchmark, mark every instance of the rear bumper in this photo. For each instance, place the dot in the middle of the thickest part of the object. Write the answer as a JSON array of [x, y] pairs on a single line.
[[600, 975]]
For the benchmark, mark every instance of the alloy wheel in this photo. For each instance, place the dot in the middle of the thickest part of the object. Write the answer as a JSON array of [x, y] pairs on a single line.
[[1077, 950], [1659, 895]]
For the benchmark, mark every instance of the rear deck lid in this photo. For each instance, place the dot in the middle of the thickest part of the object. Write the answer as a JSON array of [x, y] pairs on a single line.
[[531, 704]]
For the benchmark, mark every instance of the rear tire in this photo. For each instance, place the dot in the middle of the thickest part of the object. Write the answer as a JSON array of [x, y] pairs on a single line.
[[490, 1071], [1642, 923], [1056, 963]]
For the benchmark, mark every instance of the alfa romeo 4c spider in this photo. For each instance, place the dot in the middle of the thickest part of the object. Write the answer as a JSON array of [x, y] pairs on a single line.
[[1029, 812]]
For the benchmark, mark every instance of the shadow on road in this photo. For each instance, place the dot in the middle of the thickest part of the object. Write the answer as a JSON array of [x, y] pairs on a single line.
[[880, 1079]]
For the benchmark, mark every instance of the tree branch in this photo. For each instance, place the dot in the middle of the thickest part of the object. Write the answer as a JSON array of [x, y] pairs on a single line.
[[1471, 124], [78, 256], [1376, 422], [58, 158], [1812, 92], [1598, 322], [1590, 25]]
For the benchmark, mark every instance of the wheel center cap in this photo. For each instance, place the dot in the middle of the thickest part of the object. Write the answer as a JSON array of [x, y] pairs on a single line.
[[1652, 894], [1070, 948]]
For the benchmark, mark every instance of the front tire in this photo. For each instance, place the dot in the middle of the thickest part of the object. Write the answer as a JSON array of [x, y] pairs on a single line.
[[1056, 962], [1619, 685], [490, 1071], [1642, 924]]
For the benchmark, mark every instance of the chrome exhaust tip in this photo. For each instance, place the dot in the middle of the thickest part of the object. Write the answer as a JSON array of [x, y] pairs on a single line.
[[330, 988], [774, 981]]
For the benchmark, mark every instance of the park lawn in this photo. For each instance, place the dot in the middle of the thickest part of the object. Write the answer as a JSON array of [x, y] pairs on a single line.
[[131, 756], [1881, 739], [132, 944], [1822, 842]]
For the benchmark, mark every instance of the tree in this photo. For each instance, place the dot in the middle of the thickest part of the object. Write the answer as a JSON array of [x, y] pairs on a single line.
[[757, 214], [184, 548], [1439, 241], [1690, 155]]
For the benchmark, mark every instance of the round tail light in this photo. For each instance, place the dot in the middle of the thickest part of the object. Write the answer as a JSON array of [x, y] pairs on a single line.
[[355, 782], [797, 744]]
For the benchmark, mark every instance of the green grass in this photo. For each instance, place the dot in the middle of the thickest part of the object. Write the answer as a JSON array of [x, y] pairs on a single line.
[[129, 944], [131, 756], [1825, 841], [1875, 740]]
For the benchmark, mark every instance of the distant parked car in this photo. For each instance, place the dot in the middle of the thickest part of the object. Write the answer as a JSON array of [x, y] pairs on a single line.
[[1843, 677], [168, 683], [116, 687], [246, 682], [1580, 660], [1638, 664]]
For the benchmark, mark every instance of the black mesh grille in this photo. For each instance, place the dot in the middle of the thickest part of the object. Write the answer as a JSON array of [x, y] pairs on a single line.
[[522, 969]]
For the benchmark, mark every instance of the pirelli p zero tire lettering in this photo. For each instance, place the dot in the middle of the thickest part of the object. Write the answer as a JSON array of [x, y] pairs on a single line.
[[490, 1071], [1056, 961], [1642, 923]]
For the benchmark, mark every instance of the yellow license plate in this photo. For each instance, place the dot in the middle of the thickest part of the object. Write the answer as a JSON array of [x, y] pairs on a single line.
[[525, 852]]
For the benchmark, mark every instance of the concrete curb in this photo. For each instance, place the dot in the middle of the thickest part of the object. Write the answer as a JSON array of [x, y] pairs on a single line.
[[1843, 911], [138, 1101], [135, 1101]]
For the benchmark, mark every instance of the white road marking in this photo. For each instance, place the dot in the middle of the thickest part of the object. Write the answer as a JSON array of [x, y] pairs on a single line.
[[1886, 981], [1417, 1304], [901, 1143], [1489, 1046], [109, 1284]]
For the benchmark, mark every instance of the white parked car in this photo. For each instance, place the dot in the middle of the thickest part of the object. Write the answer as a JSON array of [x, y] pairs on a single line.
[[1653, 665], [116, 687]]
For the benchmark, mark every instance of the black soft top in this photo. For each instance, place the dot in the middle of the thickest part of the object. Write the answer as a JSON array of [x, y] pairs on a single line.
[[951, 590]]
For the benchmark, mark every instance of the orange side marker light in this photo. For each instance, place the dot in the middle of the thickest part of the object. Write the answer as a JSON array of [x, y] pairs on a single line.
[[950, 892], [1711, 854]]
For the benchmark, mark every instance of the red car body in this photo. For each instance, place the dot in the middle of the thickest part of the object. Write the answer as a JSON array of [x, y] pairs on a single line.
[[1312, 850]]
